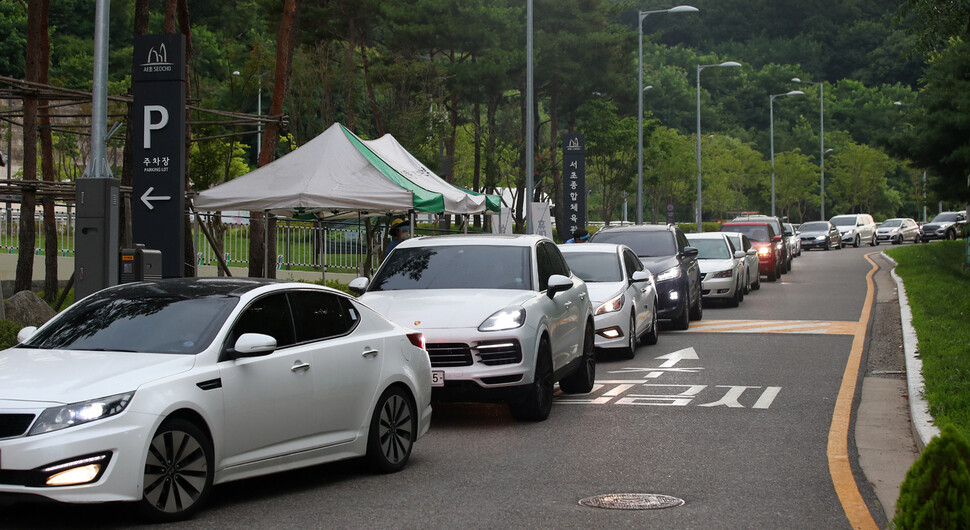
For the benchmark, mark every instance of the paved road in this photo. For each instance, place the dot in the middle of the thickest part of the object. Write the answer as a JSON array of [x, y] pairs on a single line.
[[733, 418]]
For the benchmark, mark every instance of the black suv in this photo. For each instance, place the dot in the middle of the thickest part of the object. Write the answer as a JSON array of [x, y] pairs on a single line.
[[779, 227], [666, 252]]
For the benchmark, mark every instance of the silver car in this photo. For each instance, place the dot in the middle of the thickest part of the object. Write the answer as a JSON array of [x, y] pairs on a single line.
[[623, 292], [897, 231], [722, 267], [503, 317]]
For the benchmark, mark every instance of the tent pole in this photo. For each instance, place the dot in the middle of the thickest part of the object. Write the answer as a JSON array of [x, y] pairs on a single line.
[[323, 251], [466, 224], [266, 244], [411, 221]]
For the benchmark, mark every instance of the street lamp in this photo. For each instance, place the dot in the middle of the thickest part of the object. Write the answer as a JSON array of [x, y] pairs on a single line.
[[642, 15], [821, 139], [771, 114], [259, 113], [700, 197]]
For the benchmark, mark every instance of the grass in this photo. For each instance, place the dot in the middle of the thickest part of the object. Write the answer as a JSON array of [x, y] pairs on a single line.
[[938, 289]]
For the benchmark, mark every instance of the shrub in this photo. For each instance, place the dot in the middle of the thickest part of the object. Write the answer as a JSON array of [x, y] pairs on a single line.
[[8, 333], [936, 491]]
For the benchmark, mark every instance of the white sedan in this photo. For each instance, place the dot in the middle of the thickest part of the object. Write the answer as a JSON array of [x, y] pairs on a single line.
[[503, 316], [154, 391], [623, 292], [722, 267]]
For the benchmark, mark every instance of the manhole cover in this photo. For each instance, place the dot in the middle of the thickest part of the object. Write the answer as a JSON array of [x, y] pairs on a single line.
[[632, 501]]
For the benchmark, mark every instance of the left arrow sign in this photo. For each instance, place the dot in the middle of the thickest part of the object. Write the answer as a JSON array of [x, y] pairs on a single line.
[[145, 198]]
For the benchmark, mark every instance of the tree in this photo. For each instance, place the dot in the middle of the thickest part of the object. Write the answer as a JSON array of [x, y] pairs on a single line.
[[855, 176], [733, 170], [610, 153], [669, 166], [796, 185]]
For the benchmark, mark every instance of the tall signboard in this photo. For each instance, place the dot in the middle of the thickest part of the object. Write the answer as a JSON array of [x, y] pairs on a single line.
[[158, 168], [574, 183]]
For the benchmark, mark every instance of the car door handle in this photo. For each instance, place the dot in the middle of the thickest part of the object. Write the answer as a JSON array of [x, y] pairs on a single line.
[[568, 304], [300, 366], [582, 296], [369, 353]]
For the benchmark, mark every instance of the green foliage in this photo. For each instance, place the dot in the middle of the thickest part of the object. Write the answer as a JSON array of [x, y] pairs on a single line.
[[13, 46], [8, 333], [938, 289], [936, 491]]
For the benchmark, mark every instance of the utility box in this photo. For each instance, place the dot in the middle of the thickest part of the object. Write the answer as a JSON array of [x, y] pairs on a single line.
[[140, 263]]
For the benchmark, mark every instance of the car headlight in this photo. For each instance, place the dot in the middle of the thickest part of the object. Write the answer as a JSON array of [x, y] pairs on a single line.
[[669, 274], [57, 418], [508, 318], [819, 238], [722, 274], [764, 251], [611, 306]]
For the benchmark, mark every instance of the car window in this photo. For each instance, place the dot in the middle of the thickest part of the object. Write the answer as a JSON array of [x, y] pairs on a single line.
[[754, 232], [654, 243], [814, 226], [456, 267], [844, 220], [595, 266], [681, 240], [945, 217], [891, 223], [556, 260], [550, 261], [319, 315], [269, 315], [143, 322], [710, 248], [632, 263]]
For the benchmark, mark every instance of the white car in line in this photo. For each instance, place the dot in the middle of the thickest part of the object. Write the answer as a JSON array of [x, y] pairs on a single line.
[[722, 267], [623, 293], [154, 391], [752, 271], [503, 317]]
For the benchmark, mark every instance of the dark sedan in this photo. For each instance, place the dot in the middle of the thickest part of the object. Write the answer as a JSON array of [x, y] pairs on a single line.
[[820, 234]]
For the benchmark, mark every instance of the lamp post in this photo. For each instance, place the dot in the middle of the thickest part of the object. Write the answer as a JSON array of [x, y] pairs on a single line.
[[642, 15], [821, 140], [700, 196], [771, 114]]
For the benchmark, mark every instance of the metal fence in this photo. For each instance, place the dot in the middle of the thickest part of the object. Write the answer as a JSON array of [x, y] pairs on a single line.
[[300, 245]]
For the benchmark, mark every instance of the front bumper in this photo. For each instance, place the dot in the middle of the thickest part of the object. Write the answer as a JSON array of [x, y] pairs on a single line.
[[672, 298], [813, 243], [486, 371], [718, 287], [612, 329], [123, 437]]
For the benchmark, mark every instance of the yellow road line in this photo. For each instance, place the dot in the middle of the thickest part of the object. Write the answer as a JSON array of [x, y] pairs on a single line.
[[838, 441], [830, 327]]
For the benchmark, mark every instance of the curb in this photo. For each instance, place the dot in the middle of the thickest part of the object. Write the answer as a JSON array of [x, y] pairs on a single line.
[[921, 420]]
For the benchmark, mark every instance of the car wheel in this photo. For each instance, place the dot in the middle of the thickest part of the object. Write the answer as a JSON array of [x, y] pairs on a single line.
[[917, 239], [178, 472], [697, 312], [582, 379], [654, 334], [741, 291], [747, 282], [735, 300], [682, 322], [857, 241], [757, 282], [392, 431], [951, 234], [630, 351], [538, 401]]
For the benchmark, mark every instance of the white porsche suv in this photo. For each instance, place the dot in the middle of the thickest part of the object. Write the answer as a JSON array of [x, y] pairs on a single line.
[[503, 316]]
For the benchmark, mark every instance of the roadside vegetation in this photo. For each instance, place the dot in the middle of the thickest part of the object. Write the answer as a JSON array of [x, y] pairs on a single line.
[[938, 289]]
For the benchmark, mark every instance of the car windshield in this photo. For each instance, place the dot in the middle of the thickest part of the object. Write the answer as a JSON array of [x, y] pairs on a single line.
[[710, 248], [846, 220], [946, 217], [891, 223], [644, 244], [594, 266], [148, 323], [754, 232], [456, 267], [814, 226]]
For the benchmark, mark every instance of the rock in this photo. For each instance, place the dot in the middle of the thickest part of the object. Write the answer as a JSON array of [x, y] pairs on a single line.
[[27, 309]]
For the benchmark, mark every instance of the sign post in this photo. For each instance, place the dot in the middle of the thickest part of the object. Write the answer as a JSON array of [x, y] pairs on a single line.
[[574, 185], [158, 168]]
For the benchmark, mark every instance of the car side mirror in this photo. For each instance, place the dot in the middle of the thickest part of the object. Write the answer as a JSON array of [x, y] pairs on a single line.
[[752, 252], [776, 238], [358, 285], [557, 284], [254, 345], [640, 276], [26, 333], [740, 254], [690, 251]]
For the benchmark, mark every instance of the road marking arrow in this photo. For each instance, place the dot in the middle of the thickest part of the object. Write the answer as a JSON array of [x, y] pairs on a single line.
[[677, 356], [146, 199]]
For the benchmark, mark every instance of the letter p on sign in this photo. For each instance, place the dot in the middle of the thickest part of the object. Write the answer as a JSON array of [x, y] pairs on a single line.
[[153, 125]]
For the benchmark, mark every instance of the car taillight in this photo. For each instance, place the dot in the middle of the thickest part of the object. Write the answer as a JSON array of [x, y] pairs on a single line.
[[417, 339]]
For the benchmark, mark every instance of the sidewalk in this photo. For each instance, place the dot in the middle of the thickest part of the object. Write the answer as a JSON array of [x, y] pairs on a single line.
[[891, 426]]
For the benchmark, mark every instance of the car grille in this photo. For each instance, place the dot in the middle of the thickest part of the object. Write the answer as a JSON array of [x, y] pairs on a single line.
[[14, 424], [499, 352], [931, 228], [446, 354]]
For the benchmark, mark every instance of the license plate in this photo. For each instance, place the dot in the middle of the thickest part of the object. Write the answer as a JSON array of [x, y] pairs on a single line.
[[437, 378]]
